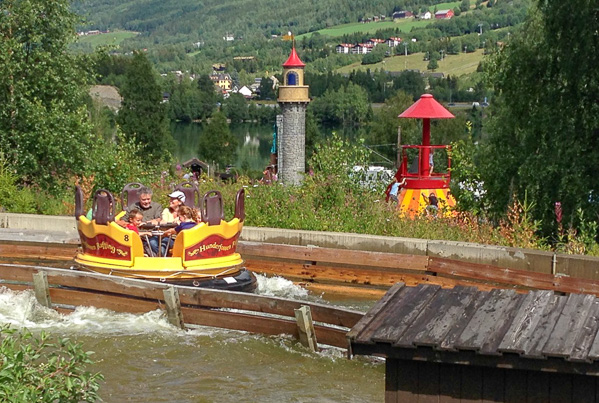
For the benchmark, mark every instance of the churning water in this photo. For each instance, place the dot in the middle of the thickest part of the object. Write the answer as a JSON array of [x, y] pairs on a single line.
[[145, 359]]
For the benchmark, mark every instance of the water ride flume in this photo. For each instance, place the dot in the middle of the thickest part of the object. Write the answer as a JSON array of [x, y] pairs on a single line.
[[424, 189], [202, 256]]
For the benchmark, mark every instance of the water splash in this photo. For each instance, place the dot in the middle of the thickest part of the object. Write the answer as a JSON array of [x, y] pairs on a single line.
[[279, 287], [21, 310]]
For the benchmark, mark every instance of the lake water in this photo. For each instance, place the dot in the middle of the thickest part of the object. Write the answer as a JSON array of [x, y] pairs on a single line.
[[254, 140], [145, 359]]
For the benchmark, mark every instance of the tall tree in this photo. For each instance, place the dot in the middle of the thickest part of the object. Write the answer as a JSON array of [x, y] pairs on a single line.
[[266, 89], [217, 144], [544, 140], [142, 115], [207, 98], [44, 128], [236, 108]]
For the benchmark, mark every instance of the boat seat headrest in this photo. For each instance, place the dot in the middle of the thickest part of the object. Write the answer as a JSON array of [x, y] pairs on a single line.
[[212, 208], [130, 194], [103, 207], [191, 192]]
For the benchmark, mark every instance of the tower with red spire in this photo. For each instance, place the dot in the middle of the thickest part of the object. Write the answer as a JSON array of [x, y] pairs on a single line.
[[419, 182], [293, 100]]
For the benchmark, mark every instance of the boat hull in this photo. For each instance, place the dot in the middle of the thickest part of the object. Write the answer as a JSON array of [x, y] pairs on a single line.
[[203, 256]]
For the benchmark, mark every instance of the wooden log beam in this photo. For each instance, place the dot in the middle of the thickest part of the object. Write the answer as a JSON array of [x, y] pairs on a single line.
[[380, 260], [505, 278], [42, 290], [38, 250], [305, 328], [173, 307]]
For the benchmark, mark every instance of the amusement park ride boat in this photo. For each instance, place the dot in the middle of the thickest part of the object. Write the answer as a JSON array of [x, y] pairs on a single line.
[[202, 256]]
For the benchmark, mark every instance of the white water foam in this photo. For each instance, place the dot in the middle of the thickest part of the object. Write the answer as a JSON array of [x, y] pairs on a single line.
[[21, 310], [279, 287]]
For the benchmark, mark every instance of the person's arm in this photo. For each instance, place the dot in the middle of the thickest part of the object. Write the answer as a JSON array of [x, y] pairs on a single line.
[[169, 232]]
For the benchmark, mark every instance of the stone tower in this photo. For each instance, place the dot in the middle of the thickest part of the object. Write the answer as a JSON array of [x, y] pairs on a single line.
[[293, 99]]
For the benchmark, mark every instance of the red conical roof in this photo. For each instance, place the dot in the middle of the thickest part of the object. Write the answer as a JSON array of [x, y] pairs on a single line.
[[294, 60], [427, 107]]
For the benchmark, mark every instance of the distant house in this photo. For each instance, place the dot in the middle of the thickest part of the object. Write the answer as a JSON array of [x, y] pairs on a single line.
[[244, 58], [374, 41], [376, 18], [344, 48], [393, 41], [444, 14], [435, 75], [398, 15], [245, 91], [223, 81], [219, 67], [426, 16], [362, 49], [228, 38]]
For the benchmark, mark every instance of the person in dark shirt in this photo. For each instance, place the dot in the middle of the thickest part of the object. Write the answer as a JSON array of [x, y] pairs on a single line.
[[433, 205], [152, 214], [188, 219]]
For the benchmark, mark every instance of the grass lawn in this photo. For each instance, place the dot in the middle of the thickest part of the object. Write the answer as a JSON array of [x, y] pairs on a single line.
[[455, 65], [404, 26], [111, 38]]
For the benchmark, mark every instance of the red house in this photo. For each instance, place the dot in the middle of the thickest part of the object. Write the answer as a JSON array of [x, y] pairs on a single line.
[[444, 14]]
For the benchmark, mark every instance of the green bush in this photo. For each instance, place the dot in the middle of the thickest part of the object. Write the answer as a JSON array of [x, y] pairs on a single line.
[[12, 198], [34, 369]]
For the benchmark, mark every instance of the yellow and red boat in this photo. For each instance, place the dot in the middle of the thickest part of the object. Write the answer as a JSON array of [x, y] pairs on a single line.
[[202, 256]]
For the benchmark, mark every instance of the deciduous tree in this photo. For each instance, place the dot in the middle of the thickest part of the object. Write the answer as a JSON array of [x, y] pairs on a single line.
[[217, 144], [44, 127], [545, 128]]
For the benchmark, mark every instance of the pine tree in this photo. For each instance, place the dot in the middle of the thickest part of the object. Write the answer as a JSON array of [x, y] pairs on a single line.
[[142, 115]]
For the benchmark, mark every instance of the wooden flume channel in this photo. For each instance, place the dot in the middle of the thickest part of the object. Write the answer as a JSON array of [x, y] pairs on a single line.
[[351, 272], [356, 273], [224, 309]]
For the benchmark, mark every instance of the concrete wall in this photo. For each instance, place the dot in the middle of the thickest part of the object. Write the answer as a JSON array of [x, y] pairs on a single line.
[[62, 229]]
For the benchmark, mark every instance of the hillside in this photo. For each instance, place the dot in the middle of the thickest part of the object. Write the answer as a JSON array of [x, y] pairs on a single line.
[[212, 19], [455, 65]]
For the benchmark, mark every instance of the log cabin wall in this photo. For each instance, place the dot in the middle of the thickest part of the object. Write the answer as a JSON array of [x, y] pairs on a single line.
[[412, 381]]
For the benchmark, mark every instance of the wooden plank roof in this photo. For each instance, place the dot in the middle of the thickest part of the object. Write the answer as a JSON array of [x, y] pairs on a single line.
[[498, 328]]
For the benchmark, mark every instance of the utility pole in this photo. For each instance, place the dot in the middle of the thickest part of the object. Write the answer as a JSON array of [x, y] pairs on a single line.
[[441, 51], [480, 26], [398, 146], [405, 45]]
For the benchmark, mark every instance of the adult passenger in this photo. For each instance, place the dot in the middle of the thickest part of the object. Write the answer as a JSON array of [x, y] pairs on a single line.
[[152, 214], [170, 214]]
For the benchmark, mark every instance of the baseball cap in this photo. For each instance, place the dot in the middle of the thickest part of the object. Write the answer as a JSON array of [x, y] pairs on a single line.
[[177, 194]]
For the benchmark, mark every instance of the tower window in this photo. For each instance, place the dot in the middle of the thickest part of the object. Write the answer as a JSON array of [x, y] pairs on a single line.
[[291, 78]]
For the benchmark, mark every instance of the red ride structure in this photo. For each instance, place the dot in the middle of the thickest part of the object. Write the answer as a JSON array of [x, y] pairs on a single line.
[[423, 189]]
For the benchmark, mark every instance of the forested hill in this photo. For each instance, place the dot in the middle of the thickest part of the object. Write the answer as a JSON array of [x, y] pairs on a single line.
[[163, 21]]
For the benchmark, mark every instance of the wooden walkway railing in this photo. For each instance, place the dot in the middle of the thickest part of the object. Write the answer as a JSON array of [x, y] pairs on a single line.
[[249, 312]]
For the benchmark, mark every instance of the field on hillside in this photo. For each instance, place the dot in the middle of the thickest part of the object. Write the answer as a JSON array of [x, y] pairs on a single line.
[[112, 38], [404, 25], [455, 65]]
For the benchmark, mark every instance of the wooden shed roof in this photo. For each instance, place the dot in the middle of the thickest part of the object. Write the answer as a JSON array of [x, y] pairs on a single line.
[[497, 328]]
